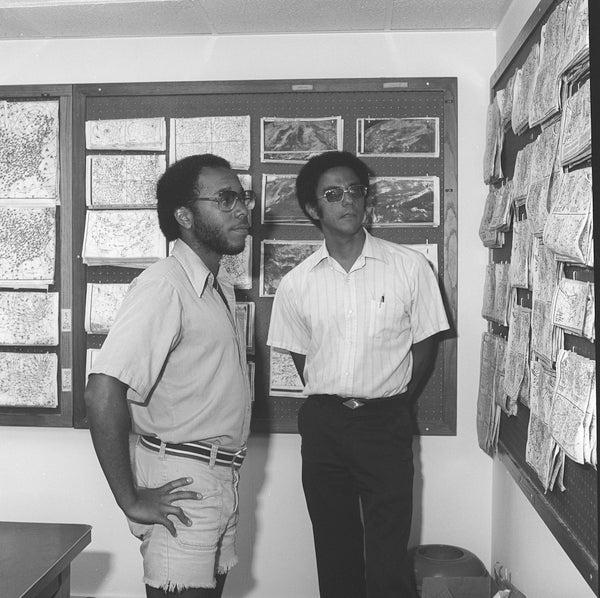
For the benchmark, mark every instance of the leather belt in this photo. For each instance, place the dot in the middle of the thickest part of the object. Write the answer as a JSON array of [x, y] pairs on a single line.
[[355, 403]]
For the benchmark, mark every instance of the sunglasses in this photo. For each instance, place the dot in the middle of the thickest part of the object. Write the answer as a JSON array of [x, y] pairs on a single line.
[[355, 192], [227, 199]]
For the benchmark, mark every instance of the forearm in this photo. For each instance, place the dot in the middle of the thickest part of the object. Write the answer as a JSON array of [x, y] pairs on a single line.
[[106, 402], [422, 358], [108, 416]]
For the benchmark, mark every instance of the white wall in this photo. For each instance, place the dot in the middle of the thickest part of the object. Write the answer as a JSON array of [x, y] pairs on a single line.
[[513, 21], [52, 474], [516, 526], [525, 546]]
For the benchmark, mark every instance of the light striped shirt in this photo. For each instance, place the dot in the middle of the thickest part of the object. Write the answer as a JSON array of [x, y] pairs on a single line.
[[356, 328]]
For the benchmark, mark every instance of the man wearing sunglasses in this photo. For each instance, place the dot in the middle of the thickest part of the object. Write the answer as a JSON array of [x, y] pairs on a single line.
[[359, 317], [173, 364]]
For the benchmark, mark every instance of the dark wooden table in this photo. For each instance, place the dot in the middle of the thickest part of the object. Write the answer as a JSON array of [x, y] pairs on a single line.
[[35, 558]]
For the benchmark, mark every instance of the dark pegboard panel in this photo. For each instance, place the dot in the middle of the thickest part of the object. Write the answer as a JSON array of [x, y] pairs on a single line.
[[572, 516], [348, 99], [579, 480], [61, 415]]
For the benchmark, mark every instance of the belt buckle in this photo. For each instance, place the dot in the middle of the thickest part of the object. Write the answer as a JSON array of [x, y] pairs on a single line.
[[353, 403]]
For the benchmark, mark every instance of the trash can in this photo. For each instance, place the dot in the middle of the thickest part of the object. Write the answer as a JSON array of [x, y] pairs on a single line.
[[445, 561]]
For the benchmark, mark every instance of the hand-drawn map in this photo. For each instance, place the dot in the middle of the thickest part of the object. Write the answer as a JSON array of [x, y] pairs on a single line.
[[520, 258], [489, 293], [28, 318], [27, 247], [502, 293], [237, 269], [29, 152], [489, 237], [128, 238], [576, 141], [101, 306], [224, 136], [574, 405], [545, 95], [126, 134], [284, 380], [502, 216], [123, 181], [505, 101], [520, 186], [491, 391], [494, 140], [546, 273], [568, 230], [244, 317], [541, 450], [28, 380], [577, 38], [543, 166], [524, 82], [573, 307], [517, 355]]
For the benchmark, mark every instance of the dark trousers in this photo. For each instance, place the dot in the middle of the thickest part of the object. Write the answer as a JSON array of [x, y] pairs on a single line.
[[357, 474]]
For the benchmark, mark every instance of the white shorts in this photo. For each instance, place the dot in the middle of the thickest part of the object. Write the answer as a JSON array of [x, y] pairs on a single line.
[[198, 553]]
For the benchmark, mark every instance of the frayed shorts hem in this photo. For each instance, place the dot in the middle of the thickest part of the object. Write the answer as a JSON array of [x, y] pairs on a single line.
[[173, 586], [227, 567]]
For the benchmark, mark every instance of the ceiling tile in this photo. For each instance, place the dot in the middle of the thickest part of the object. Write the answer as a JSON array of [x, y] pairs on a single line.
[[275, 16], [451, 15], [20, 19], [104, 20]]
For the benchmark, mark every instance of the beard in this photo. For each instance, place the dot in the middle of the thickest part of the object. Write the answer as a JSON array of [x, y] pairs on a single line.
[[213, 237]]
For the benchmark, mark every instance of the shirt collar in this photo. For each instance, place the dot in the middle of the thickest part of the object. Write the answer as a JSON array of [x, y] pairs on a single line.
[[193, 266], [319, 255], [371, 249]]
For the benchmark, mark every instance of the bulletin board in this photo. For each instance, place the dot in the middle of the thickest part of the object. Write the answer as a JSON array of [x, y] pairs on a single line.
[[571, 515], [39, 413], [349, 99]]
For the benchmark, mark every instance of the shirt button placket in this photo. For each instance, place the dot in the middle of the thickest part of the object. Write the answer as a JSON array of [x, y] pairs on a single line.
[[349, 334]]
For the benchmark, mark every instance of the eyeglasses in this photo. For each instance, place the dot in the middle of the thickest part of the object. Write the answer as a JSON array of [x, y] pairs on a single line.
[[355, 192], [227, 199]]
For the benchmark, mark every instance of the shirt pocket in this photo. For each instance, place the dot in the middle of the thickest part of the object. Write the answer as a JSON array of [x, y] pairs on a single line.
[[386, 318]]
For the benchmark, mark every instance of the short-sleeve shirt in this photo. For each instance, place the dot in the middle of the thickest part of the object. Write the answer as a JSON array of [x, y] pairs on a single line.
[[174, 343], [356, 328]]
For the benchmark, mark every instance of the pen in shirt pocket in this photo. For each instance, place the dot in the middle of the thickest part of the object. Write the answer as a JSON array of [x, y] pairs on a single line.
[[381, 301]]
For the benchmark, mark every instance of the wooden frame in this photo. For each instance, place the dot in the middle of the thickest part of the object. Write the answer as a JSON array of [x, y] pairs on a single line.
[[63, 414], [569, 517], [173, 99], [87, 102]]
